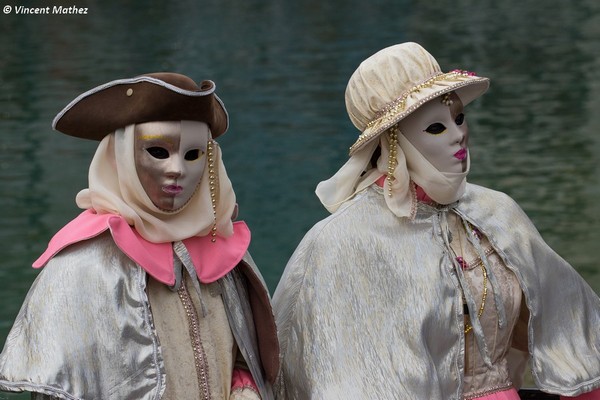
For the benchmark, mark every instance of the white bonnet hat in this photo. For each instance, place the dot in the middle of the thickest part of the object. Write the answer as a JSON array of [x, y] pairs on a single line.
[[397, 80]]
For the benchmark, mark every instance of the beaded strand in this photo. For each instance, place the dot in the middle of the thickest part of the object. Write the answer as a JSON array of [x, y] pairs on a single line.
[[213, 185], [392, 157]]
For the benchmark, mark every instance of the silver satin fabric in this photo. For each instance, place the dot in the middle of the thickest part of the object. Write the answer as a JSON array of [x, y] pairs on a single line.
[[85, 329], [370, 307]]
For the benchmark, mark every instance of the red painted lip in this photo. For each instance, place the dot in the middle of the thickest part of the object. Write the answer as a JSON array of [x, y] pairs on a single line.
[[172, 189], [461, 154]]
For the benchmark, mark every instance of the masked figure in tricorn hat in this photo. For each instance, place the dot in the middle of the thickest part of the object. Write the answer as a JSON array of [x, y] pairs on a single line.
[[150, 293], [421, 285]]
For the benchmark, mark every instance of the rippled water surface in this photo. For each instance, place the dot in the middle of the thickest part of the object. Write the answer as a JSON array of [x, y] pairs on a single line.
[[281, 69]]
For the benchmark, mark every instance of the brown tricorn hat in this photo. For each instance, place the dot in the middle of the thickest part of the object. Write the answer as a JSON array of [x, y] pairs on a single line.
[[162, 96]]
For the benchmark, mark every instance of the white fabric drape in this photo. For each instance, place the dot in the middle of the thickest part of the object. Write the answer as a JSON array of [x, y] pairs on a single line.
[[444, 188]]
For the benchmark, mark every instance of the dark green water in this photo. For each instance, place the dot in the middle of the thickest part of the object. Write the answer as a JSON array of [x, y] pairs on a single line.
[[281, 69]]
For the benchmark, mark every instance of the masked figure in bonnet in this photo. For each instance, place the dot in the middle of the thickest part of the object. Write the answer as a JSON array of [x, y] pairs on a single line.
[[420, 285], [150, 293]]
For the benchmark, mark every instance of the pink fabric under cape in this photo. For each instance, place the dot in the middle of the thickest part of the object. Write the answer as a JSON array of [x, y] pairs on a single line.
[[593, 395], [212, 260], [241, 379], [510, 394]]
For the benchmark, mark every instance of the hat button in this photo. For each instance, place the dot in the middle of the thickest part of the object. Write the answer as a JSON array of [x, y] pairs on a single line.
[[129, 92]]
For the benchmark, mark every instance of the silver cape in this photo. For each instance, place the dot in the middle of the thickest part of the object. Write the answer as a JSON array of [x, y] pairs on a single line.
[[85, 329], [369, 305]]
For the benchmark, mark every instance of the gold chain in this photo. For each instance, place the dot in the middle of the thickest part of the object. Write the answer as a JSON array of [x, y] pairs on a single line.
[[469, 327]]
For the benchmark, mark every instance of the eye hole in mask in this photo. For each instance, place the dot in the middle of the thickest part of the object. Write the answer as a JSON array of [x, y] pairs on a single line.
[[192, 155], [158, 152], [436, 129]]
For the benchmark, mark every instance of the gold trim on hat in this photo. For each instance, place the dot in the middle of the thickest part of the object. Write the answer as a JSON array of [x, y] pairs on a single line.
[[391, 113]]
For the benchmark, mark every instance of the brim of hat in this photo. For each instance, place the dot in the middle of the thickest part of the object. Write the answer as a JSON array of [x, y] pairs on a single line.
[[468, 87], [117, 104]]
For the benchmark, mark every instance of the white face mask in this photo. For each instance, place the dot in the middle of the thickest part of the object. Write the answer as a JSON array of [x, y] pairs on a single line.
[[169, 162], [440, 133]]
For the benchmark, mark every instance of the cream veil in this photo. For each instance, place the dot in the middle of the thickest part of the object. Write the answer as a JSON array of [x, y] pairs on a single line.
[[353, 177], [114, 187]]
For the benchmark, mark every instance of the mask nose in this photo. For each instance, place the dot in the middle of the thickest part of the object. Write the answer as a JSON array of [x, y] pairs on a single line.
[[459, 135], [455, 134], [175, 167]]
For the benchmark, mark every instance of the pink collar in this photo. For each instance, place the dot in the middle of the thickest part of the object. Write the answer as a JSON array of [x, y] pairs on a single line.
[[211, 260]]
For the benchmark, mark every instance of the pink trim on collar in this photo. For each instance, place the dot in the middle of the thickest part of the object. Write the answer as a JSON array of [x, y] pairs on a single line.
[[211, 260], [422, 196]]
